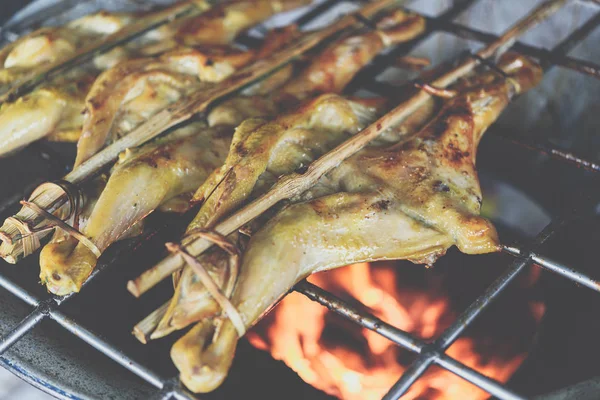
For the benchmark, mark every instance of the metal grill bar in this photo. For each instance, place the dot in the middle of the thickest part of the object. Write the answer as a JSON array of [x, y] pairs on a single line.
[[21, 329], [49, 308], [169, 388], [551, 151], [545, 56], [419, 366], [403, 339], [557, 267]]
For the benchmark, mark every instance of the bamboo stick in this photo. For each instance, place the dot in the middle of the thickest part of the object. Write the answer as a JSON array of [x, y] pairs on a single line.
[[145, 327], [143, 25], [295, 184], [10, 232]]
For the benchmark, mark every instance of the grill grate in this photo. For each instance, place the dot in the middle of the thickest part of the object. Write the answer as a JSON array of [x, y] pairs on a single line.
[[429, 354]]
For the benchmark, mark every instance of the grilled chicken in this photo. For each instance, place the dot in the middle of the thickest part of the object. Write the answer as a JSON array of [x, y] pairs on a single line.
[[407, 201], [140, 182], [252, 150], [49, 45], [54, 109], [262, 150], [332, 69], [154, 176], [124, 96]]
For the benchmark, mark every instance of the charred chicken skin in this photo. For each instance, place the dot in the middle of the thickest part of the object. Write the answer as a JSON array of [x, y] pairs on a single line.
[[409, 201]]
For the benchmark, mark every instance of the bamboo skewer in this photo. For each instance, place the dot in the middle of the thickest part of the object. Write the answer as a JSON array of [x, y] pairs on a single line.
[[145, 327], [28, 82], [10, 233], [295, 184]]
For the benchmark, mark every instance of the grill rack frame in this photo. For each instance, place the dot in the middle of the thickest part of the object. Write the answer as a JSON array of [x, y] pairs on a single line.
[[429, 353]]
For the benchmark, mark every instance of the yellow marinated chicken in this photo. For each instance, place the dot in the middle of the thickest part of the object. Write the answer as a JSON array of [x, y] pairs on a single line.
[[153, 176], [263, 150], [332, 69], [125, 96], [140, 182], [55, 107], [48, 45], [54, 111], [329, 72], [408, 201]]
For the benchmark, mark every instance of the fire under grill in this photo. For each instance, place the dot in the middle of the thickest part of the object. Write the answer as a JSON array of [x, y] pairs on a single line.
[[51, 308]]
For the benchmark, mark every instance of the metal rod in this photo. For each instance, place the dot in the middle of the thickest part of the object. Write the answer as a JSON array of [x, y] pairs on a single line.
[[556, 267], [23, 327], [551, 151], [489, 385], [48, 308], [420, 365], [18, 291], [403, 339], [364, 319], [104, 347], [555, 57]]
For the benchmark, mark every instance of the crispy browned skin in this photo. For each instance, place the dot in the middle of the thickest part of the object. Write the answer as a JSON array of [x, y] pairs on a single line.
[[335, 67], [408, 201], [222, 24]]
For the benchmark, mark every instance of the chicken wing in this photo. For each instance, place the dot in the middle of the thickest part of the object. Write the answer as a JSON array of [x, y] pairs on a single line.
[[409, 201]]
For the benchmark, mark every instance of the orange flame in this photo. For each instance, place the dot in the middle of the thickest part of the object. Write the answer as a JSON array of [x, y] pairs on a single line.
[[350, 362]]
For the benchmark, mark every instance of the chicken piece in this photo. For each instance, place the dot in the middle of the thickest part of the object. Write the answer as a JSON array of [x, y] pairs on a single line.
[[125, 96], [141, 181], [333, 68], [221, 24], [262, 151], [329, 72], [409, 201], [54, 110], [49, 45]]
